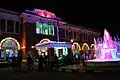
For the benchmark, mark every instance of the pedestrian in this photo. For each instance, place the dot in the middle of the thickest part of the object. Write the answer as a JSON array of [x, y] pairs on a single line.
[[51, 61], [55, 61], [40, 63], [14, 62], [19, 61], [29, 62], [45, 62]]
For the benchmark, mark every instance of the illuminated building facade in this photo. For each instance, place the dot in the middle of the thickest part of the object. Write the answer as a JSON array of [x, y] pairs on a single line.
[[10, 33], [31, 26]]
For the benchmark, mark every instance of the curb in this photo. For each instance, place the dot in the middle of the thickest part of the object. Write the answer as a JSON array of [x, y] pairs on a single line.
[[69, 70]]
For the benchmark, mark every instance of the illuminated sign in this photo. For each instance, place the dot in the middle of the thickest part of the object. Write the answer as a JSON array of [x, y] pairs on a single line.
[[43, 28], [44, 13]]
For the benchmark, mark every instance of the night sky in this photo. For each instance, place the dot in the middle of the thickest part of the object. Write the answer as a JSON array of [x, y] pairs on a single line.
[[95, 14]]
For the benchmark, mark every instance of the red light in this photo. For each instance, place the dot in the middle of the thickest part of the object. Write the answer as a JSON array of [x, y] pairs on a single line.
[[44, 13]]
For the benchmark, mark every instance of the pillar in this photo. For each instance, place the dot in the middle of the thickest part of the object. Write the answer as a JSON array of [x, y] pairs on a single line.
[[23, 36]]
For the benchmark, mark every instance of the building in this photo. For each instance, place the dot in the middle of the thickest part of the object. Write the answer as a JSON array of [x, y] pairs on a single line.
[[31, 26], [10, 32]]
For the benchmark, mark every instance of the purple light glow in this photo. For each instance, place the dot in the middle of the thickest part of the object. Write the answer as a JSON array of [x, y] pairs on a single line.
[[105, 49]]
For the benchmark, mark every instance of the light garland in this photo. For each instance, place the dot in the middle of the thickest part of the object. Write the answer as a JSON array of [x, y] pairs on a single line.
[[92, 45], [44, 40], [79, 48], [85, 44], [10, 38]]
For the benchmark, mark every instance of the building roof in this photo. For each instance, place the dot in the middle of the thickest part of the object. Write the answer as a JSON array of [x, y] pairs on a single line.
[[67, 24], [57, 18], [31, 12], [8, 11]]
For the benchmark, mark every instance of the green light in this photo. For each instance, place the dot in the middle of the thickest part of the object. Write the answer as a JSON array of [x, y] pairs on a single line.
[[43, 28], [51, 30]]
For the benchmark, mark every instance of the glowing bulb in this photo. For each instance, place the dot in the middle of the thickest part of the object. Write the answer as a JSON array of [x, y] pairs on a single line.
[[72, 40]]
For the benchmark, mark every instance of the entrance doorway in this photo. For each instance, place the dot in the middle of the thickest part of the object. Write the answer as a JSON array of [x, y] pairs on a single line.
[[9, 47], [60, 51]]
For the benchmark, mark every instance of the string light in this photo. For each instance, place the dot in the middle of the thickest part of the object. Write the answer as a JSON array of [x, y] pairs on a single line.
[[73, 46], [92, 45], [10, 38], [44, 40], [85, 44]]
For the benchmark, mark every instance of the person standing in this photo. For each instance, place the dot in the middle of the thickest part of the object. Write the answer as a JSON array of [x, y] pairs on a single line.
[[14, 62], [29, 62], [19, 61], [40, 63], [55, 61], [45, 62]]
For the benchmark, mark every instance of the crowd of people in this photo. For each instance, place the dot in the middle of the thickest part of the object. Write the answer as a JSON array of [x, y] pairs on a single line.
[[44, 62], [47, 62]]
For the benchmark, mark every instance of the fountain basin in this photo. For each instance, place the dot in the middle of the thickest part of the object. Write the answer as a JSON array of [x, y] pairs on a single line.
[[103, 62]]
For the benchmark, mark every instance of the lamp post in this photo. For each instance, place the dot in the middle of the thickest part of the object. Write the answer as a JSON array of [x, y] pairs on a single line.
[[58, 30]]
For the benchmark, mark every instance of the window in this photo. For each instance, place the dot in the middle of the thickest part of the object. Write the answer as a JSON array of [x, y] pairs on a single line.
[[17, 27], [51, 30], [70, 34], [83, 36], [89, 39], [74, 35], [45, 29], [77, 35], [2, 25], [10, 26], [38, 28], [62, 33], [66, 33], [80, 36]]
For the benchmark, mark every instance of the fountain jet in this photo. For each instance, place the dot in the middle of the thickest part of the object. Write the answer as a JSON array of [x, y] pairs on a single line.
[[105, 49]]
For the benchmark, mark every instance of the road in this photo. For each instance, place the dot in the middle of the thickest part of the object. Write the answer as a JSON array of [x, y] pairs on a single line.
[[24, 74]]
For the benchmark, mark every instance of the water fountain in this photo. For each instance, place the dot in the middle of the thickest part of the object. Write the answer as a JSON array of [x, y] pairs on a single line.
[[106, 51]]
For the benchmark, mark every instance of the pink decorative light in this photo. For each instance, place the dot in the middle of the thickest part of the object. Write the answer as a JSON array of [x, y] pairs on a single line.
[[44, 13]]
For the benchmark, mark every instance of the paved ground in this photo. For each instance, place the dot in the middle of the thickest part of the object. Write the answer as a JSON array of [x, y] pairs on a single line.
[[8, 74]]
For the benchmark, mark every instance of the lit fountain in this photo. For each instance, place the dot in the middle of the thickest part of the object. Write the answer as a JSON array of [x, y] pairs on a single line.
[[105, 49]]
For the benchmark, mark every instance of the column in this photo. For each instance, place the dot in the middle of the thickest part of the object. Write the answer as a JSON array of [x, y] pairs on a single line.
[[24, 39], [5, 25]]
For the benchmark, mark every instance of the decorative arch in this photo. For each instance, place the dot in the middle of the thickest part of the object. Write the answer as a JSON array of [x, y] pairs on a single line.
[[85, 45], [92, 45], [77, 48], [10, 38], [44, 41]]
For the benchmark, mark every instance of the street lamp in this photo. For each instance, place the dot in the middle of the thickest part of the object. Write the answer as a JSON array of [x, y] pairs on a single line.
[[71, 40], [58, 24]]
